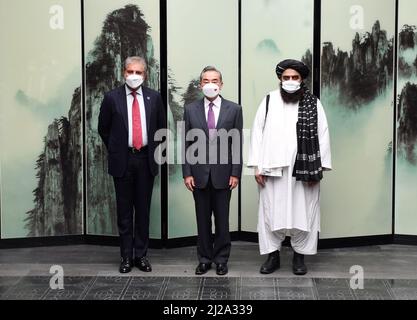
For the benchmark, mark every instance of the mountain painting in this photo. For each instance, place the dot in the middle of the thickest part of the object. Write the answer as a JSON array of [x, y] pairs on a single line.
[[406, 125], [124, 33], [265, 42], [41, 120], [188, 53], [46, 196], [357, 92]]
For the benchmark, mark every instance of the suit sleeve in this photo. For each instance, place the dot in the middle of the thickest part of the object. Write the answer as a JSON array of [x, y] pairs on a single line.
[[237, 144], [104, 119], [186, 168], [162, 122]]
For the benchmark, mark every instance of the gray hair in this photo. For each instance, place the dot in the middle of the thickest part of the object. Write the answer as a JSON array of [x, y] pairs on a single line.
[[210, 68], [135, 59]]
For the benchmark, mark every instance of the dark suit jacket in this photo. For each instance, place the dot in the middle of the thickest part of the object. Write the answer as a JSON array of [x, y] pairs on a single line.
[[230, 117], [113, 127]]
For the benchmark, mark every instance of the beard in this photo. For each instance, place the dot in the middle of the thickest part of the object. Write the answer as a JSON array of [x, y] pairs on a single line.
[[292, 97]]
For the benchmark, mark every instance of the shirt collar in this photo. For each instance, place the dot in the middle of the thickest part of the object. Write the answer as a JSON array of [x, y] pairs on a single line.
[[128, 91], [217, 102]]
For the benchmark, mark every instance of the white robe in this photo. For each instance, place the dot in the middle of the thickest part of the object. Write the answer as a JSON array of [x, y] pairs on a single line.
[[286, 207]]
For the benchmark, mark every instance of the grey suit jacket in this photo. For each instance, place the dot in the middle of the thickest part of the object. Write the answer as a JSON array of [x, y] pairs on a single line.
[[220, 157]]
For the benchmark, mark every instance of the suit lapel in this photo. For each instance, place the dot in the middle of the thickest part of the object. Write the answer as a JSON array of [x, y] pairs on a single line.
[[123, 105], [201, 114], [147, 101], [224, 108]]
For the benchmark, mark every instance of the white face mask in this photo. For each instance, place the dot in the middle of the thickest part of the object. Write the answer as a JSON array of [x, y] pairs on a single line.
[[134, 81], [291, 86], [211, 90]]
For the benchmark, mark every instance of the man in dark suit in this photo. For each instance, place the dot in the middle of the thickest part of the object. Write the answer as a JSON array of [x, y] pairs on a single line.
[[213, 166], [129, 117]]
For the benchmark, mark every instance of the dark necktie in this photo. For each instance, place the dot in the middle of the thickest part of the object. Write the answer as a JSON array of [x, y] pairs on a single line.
[[211, 122]]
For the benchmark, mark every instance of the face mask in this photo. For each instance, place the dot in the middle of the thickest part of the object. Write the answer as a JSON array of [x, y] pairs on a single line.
[[134, 80], [211, 90], [291, 86]]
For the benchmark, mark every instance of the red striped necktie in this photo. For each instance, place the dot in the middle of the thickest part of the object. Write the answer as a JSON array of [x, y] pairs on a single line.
[[137, 139]]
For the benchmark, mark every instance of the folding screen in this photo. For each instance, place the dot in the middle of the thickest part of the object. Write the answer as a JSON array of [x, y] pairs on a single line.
[[40, 111], [271, 31], [406, 171], [357, 94], [114, 30], [200, 33]]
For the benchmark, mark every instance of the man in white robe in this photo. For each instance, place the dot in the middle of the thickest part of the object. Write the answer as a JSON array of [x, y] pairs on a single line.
[[287, 206]]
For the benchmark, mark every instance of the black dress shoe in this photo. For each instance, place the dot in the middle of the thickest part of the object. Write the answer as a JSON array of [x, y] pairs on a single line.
[[271, 264], [126, 265], [221, 269], [143, 264], [298, 266], [202, 268]]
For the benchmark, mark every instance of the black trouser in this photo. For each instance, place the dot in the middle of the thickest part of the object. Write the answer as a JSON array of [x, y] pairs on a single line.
[[134, 194], [207, 201]]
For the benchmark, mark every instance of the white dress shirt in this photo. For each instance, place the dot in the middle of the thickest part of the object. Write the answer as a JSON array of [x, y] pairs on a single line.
[[216, 108], [129, 99]]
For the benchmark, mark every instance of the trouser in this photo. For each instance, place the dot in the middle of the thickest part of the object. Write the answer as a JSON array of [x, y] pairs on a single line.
[[302, 242], [210, 201], [133, 199]]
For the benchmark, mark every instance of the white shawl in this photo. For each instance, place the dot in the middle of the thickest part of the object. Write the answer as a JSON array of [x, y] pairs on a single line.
[[268, 151]]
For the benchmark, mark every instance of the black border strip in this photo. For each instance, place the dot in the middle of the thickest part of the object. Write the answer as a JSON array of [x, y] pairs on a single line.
[[114, 241], [239, 191], [191, 241], [69, 241], [317, 48], [405, 239], [356, 241], [322, 244], [42, 241], [164, 93]]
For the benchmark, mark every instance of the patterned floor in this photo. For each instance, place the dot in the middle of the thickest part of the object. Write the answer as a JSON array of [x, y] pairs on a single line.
[[91, 273], [204, 288]]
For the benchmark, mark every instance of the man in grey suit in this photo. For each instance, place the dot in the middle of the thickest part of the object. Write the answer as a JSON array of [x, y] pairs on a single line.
[[213, 167]]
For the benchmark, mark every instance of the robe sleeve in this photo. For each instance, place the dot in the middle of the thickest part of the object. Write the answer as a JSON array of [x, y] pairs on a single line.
[[256, 137], [324, 138]]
